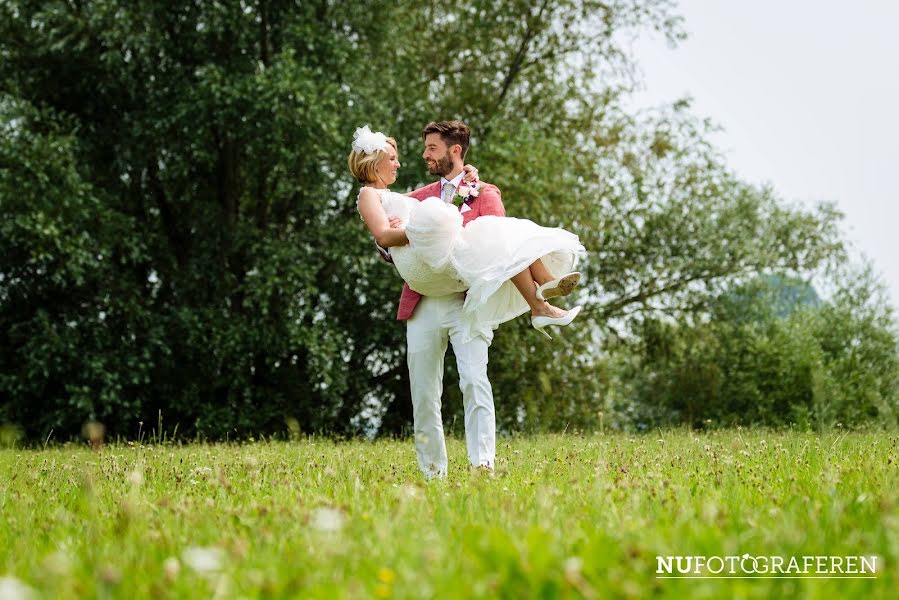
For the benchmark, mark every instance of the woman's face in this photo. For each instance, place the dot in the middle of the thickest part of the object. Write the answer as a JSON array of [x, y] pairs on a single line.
[[387, 168]]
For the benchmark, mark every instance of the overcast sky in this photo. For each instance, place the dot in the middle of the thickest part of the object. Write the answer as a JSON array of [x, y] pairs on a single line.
[[808, 94]]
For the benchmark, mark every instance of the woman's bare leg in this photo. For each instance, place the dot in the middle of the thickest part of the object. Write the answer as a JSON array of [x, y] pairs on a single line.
[[524, 281], [539, 273]]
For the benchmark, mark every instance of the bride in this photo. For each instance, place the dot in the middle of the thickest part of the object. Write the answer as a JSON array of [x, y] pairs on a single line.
[[505, 265]]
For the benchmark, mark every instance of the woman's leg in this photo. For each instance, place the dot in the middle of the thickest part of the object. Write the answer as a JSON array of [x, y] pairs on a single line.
[[563, 285], [539, 273], [524, 281]]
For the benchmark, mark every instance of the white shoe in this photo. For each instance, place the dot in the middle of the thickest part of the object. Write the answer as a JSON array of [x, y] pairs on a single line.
[[559, 287], [540, 322]]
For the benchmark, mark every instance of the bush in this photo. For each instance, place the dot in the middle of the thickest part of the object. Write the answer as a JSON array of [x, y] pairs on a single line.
[[768, 355]]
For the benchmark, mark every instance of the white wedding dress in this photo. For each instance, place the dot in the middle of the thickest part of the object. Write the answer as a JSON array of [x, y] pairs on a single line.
[[443, 257]]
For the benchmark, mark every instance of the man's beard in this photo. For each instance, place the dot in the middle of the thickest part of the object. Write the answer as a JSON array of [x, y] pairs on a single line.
[[442, 166]]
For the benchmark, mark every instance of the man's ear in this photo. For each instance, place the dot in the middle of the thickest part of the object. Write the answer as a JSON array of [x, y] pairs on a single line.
[[456, 149]]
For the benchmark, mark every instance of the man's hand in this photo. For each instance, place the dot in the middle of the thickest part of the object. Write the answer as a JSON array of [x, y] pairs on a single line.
[[384, 254], [395, 223]]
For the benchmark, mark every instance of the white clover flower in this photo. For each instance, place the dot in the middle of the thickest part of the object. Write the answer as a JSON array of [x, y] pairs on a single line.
[[202, 472], [171, 567], [12, 588], [136, 478], [410, 491], [572, 567], [204, 560], [58, 563], [327, 519]]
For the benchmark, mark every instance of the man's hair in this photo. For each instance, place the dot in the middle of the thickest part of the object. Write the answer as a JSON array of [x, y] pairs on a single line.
[[451, 132]]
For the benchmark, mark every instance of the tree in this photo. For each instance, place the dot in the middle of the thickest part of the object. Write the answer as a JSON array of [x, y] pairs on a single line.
[[757, 359], [201, 151]]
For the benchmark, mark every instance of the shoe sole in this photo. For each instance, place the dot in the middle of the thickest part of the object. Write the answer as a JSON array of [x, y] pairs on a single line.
[[565, 287]]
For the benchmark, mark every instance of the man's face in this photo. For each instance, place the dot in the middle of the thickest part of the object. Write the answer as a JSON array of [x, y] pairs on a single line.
[[437, 155]]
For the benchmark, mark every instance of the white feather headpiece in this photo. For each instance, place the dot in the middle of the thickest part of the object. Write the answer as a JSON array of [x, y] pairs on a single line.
[[367, 141]]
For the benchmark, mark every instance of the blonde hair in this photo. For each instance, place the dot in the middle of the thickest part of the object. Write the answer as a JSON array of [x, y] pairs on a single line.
[[363, 166]]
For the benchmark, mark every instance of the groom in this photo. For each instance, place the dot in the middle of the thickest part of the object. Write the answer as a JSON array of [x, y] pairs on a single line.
[[431, 321]]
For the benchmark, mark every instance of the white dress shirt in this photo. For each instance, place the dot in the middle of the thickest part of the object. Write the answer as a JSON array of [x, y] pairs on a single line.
[[456, 181]]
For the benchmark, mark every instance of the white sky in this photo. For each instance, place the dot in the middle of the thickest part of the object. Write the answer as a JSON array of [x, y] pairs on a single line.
[[807, 92]]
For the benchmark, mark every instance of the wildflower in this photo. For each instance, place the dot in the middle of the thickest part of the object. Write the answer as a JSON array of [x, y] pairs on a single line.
[[204, 560], [409, 491], [327, 519], [171, 567], [58, 563], [111, 575], [136, 478], [14, 589], [386, 575], [573, 566]]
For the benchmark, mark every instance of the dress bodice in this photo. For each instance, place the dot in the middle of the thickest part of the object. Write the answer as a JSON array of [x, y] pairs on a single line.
[[421, 276]]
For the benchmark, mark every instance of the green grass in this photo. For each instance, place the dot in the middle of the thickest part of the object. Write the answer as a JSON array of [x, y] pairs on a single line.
[[564, 516]]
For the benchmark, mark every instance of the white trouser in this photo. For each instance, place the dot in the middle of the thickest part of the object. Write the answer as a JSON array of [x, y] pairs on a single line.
[[436, 320]]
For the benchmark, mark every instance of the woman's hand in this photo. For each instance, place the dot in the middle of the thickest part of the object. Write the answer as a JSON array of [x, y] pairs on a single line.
[[471, 174]]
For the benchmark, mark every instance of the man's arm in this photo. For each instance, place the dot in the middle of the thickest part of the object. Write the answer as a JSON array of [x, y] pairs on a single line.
[[384, 253], [490, 201]]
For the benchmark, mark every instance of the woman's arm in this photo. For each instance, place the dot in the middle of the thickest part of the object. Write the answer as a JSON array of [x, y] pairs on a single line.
[[377, 222]]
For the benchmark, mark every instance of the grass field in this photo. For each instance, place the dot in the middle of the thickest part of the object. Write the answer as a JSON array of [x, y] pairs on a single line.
[[564, 516]]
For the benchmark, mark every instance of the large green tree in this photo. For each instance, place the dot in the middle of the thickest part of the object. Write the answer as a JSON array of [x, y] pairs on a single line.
[[212, 131], [181, 230]]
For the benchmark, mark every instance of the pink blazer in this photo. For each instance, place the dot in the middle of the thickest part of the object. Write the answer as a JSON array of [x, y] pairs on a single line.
[[488, 202]]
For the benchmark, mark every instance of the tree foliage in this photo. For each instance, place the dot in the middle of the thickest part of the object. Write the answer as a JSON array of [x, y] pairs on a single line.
[[770, 352], [181, 235]]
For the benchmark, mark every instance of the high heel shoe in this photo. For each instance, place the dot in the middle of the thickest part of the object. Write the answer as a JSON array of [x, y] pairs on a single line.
[[540, 322], [558, 287]]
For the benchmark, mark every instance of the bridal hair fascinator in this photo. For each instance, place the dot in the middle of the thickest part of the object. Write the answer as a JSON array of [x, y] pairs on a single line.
[[367, 141]]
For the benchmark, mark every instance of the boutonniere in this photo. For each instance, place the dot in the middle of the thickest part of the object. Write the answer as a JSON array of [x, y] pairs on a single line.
[[466, 193]]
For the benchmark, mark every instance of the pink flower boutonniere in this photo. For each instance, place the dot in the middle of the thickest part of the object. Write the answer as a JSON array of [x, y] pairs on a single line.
[[467, 192]]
